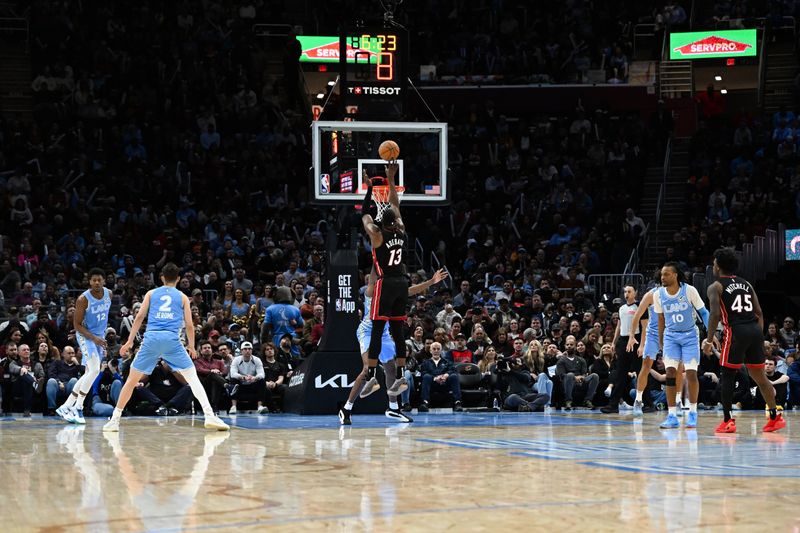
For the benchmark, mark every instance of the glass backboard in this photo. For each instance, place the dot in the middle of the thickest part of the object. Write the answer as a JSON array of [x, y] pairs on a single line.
[[342, 149]]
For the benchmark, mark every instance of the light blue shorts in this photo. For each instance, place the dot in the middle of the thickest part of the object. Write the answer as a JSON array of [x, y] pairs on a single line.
[[387, 345], [161, 345], [651, 345], [682, 346], [88, 349]]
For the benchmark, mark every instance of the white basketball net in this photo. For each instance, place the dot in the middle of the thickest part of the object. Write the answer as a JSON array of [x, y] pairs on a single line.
[[380, 195]]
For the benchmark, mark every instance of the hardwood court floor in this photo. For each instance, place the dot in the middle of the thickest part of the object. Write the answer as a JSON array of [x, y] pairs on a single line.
[[461, 472]]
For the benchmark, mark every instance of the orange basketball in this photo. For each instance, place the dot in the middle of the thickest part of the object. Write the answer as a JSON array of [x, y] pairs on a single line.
[[389, 151]]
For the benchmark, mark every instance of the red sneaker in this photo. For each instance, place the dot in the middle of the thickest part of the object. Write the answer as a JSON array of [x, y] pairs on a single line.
[[775, 425], [728, 427]]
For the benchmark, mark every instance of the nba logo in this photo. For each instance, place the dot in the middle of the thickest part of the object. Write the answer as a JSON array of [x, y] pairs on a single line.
[[325, 183], [338, 305]]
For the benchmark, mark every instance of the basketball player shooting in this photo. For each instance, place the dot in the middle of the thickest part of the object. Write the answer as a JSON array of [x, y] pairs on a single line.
[[391, 287], [388, 355]]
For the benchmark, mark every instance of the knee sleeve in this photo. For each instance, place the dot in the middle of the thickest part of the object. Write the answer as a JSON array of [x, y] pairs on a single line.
[[670, 382], [396, 332], [92, 371], [691, 365], [375, 339], [671, 363]]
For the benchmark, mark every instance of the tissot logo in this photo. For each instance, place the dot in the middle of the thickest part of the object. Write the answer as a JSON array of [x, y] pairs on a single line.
[[338, 381], [358, 90]]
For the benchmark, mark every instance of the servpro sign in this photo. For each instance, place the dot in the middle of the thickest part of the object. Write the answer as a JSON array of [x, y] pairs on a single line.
[[713, 44], [325, 49]]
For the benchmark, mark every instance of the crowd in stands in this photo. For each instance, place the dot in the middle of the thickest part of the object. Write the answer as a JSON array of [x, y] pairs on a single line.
[[159, 137], [544, 42], [743, 180]]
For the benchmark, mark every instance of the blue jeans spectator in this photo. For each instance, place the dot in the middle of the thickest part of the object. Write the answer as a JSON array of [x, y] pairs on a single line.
[[656, 396], [103, 409], [452, 384], [405, 396], [543, 386], [535, 402], [54, 392]]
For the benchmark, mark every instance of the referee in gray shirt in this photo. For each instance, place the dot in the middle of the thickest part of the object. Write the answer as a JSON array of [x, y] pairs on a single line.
[[626, 361]]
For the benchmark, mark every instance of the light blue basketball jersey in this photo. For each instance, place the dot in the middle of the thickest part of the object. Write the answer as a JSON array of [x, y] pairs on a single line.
[[652, 324], [96, 317], [166, 310], [364, 335], [365, 327], [678, 311]]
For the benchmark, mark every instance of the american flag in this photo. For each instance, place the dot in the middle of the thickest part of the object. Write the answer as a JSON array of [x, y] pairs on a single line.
[[433, 189]]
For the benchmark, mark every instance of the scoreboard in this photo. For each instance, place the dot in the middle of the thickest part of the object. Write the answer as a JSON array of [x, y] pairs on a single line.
[[373, 72]]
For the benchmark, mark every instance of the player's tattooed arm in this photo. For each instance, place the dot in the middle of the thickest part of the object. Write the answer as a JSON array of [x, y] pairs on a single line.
[[713, 318]]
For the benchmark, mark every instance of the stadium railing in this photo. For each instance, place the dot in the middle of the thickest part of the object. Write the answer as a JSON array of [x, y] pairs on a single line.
[[662, 191], [762, 67], [436, 265], [638, 250], [612, 284], [209, 297]]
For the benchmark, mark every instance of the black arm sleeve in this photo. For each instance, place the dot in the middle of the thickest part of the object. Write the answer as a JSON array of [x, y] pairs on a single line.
[[366, 207]]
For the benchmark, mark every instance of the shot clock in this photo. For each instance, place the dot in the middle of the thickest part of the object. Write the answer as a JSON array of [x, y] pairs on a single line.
[[376, 57], [373, 74]]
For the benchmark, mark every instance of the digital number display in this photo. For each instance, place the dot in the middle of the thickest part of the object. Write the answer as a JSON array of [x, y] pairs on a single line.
[[377, 54]]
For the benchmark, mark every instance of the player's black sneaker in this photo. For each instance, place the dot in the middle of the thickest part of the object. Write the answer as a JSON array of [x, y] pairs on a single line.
[[396, 414], [344, 416]]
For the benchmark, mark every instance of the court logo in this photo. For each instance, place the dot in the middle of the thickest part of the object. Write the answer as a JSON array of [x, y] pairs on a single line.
[[338, 381]]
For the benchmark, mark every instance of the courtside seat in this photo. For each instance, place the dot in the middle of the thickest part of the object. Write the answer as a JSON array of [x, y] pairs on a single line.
[[474, 393]]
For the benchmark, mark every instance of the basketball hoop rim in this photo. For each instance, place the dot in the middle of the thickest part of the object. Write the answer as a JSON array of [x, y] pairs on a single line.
[[380, 193]]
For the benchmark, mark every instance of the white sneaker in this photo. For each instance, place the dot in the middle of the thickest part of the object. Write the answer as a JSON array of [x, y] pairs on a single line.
[[215, 422], [112, 425], [74, 415], [232, 410], [77, 416], [63, 412]]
